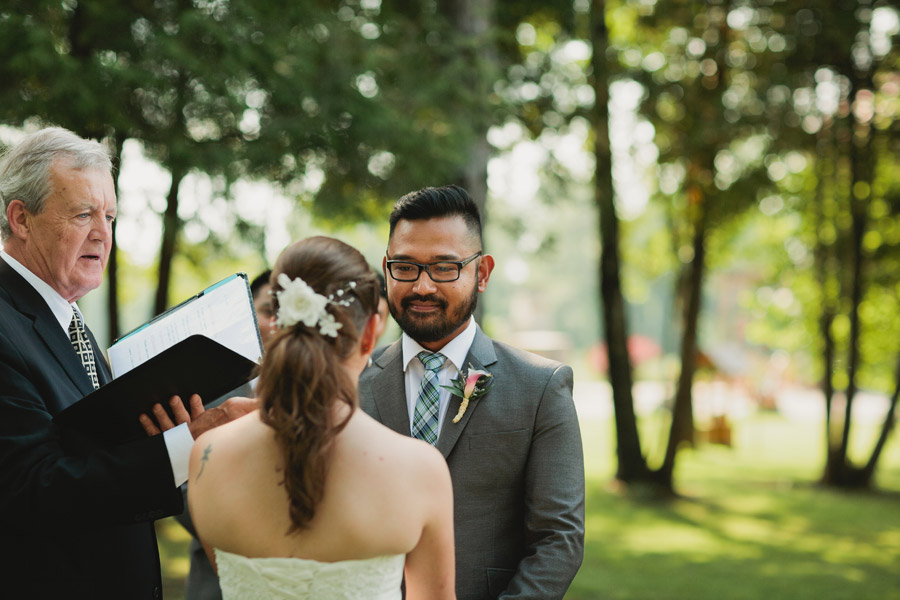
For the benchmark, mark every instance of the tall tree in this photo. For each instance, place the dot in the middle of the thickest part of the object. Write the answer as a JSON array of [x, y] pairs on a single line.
[[696, 62], [631, 465], [832, 163], [834, 47]]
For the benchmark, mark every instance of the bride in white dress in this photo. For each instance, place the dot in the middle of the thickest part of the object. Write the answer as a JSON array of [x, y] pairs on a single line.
[[309, 497]]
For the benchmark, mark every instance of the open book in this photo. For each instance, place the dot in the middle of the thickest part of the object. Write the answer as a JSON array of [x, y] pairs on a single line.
[[208, 345]]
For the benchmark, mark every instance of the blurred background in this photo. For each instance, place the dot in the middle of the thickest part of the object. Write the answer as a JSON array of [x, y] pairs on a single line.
[[694, 203]]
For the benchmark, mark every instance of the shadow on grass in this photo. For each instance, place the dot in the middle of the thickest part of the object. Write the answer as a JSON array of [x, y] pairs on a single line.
[[731, 535]]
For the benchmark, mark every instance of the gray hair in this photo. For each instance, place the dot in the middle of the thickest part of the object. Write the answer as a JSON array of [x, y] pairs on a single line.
[[25, 167]]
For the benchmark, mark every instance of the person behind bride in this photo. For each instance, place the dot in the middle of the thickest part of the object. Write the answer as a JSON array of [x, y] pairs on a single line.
[[309, 497]]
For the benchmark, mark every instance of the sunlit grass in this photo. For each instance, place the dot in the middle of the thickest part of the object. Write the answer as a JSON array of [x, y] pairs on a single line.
[[173, 542], [749, 523]]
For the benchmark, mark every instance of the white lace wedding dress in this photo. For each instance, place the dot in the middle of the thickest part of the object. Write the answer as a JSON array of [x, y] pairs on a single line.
[[281, 578]]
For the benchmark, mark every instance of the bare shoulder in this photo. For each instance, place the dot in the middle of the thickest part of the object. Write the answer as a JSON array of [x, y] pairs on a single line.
[[406, 455], [216, 463], [215, 448], [427, 468]]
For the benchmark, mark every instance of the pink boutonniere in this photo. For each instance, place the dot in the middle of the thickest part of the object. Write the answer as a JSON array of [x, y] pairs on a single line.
[[469, 386]]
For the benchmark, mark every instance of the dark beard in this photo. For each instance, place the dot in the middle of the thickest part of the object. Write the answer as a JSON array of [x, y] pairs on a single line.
[[437, 327]]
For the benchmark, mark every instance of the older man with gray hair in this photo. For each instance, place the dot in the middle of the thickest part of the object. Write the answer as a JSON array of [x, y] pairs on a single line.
[[76, 516]]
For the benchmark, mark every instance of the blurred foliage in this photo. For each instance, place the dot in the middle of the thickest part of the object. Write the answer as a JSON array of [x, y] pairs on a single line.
[[338, 103], [770, 160], [340, 91], [768, 127]]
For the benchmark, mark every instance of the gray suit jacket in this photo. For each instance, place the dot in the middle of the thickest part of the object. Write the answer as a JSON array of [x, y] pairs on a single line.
[[517, 467]]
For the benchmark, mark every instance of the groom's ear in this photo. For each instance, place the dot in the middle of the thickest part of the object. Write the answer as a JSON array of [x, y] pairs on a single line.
[[485, 266]]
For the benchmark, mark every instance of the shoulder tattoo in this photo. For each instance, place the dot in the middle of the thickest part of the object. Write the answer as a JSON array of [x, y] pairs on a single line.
[[203, 460]]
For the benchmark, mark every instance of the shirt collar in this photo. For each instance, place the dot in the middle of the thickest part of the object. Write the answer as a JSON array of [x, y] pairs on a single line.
[[455, 350], [60, 308]]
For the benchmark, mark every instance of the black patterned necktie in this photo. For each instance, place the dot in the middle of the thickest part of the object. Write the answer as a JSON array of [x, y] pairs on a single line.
[[425, 414], [81, 343]]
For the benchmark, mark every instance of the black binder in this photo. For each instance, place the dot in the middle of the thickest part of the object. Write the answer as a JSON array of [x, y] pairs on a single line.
[[195, 365]]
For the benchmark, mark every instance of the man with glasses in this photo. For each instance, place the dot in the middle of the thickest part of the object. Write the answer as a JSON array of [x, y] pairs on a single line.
[[514, 452]]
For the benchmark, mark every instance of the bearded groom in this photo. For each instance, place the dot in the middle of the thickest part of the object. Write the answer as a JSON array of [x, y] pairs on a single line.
[[514, 452]]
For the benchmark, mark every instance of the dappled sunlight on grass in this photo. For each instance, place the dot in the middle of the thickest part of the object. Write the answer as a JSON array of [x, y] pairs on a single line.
[[669, 538], [749, 522]]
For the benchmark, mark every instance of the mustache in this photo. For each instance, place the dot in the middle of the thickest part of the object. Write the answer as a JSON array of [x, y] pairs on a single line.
[[418, 298]]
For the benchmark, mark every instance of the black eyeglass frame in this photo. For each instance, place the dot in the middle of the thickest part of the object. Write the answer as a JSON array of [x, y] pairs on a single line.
[[427, 268]]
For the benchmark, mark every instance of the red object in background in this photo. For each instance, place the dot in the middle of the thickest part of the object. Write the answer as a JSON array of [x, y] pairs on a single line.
[[641, 348]]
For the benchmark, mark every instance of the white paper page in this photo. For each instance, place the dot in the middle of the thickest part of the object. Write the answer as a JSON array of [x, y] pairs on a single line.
[[223, 312]]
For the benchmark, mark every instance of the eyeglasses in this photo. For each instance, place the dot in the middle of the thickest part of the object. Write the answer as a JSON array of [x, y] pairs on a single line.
[[442, 271]]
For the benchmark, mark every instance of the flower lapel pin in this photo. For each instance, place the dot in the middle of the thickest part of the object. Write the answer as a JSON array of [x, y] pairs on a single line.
[[469, 385]]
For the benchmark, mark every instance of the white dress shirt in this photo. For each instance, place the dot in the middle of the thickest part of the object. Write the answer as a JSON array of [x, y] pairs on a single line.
[[454, 352], [179, 440]]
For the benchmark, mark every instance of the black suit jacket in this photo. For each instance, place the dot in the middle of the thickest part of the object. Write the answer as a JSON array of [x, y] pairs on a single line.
[[76, 518]]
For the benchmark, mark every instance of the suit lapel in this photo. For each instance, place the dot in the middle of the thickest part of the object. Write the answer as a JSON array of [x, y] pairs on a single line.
[[481, 356], [28, 302], [388, 389]]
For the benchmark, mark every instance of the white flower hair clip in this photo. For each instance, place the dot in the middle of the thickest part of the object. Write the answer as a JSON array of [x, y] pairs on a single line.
[[299, 303]]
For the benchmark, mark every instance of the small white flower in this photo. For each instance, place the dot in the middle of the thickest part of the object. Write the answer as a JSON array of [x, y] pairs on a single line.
[[297, 302], [328, 326]]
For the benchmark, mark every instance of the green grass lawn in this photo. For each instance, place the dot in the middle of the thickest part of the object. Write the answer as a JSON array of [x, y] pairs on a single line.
[[750, 523]]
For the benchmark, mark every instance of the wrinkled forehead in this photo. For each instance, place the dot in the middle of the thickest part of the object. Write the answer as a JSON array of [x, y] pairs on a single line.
[[90, 187]]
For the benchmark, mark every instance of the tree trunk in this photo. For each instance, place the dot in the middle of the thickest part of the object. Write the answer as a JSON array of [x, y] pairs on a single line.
[[823, 254], [682, 428], [473, 20], [840, 472], [632, 466], [869, 470], [861, 169], [171, 227]]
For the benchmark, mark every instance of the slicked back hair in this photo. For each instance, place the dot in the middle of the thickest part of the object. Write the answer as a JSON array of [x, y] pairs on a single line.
[[434, 203]]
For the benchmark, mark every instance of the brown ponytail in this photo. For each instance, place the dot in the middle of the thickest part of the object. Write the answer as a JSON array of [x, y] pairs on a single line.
[[302, 374]]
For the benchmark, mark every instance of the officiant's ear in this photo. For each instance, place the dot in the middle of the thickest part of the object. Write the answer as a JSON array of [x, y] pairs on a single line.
[[368, 337], [17, 217], [485, 266]]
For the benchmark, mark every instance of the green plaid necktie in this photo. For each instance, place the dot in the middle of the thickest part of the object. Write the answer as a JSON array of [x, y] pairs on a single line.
[[81, 343], [425, 416]]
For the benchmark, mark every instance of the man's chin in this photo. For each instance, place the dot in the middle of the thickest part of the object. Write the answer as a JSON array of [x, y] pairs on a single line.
[[423, 317], [88, 282], [423, 329]]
